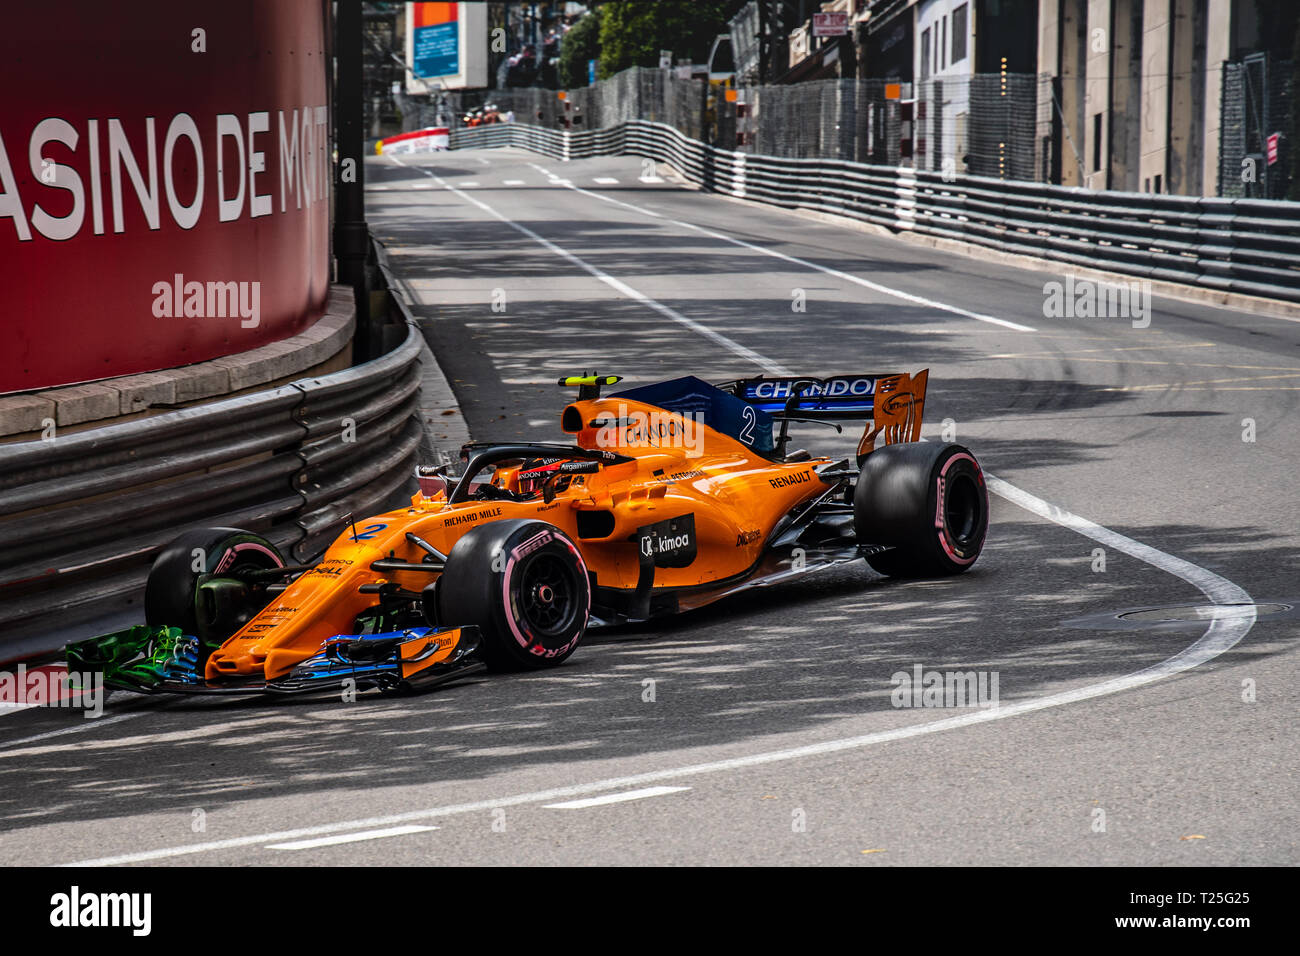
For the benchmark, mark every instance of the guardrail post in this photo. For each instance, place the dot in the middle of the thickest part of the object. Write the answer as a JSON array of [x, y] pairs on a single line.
[[905, 198]]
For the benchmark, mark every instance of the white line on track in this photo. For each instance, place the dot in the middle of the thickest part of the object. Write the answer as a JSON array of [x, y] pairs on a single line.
[[1222, 634], [615, 284], [650, 179], [614, 798], [807, 264], [513, 182], [469, 184], [350, 837], [606, 180]]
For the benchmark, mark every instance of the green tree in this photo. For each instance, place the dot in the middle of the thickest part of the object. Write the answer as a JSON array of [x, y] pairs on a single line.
[[632, 33], [580, 44]]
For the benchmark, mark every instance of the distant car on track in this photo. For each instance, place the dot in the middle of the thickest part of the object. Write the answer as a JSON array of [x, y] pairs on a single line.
[[672, 496]]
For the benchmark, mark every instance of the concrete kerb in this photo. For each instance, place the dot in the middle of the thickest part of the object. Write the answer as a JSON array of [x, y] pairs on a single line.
[[309, 352]]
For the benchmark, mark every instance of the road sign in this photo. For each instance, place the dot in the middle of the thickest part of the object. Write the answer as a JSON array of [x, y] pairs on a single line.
[[830, 24], [1272, 148]]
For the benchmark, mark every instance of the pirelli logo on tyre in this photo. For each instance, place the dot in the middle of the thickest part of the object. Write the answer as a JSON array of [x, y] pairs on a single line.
[[668, 544]]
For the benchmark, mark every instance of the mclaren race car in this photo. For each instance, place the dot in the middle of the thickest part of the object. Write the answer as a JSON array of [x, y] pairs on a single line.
[[671, 496]]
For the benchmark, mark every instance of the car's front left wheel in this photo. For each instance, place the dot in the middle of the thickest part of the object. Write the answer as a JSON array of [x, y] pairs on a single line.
[[525, 585]]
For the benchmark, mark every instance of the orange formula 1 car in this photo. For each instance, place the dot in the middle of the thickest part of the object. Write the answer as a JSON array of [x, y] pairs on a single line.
[[671, 496]]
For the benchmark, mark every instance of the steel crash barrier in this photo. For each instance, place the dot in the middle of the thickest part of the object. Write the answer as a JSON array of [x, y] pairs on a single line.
[[1245, 246], [82, 516]]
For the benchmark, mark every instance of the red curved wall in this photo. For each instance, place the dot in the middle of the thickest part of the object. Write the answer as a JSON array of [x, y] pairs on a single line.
[[97, 221]]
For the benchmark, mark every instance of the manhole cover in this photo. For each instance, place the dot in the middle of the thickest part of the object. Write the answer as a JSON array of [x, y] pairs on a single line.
[[1175, 616], [1201, 612]]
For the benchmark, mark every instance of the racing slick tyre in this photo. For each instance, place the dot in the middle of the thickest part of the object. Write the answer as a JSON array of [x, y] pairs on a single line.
[[525, 585], [181, 591], [926, 499]]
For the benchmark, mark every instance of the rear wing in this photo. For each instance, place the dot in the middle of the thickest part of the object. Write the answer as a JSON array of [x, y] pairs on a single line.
[[892, 404]]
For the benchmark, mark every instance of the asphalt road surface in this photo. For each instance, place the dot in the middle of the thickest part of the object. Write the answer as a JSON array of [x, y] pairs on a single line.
[[1137, 468]]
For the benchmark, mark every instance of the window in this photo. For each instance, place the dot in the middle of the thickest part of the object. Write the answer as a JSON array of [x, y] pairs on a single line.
[[1096, 142], [959, 30], [943, 44], [925, 53], [1158, 183]]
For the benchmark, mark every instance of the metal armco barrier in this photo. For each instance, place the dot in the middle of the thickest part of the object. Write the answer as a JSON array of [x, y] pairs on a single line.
[[1247, 246], [82, 516]]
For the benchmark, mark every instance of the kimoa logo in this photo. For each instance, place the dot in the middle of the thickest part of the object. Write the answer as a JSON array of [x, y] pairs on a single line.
[[77, 909], [649, 544]]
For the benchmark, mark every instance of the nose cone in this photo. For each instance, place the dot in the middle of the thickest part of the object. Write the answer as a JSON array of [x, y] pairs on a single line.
[[234, 662]]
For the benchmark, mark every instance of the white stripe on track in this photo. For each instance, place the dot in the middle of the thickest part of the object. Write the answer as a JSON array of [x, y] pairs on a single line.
[[614, 798], [616, 284], [350, 838], [808, 264]]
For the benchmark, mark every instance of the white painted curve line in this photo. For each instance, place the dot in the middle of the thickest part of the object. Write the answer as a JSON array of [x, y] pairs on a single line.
[[606, 180], [618, 285], [469, 184], [650, 179], [350, 838], [614, 798], [1221, 635], [827, 270], [513, 182]]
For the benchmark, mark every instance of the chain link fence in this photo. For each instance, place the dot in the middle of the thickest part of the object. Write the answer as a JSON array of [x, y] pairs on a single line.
[[985, 124], [1258, 101]]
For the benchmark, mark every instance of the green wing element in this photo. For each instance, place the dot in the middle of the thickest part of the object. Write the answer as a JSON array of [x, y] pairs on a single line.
[[141, 658]]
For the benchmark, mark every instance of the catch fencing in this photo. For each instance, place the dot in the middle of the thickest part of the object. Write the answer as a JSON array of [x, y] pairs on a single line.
[[983, 124]]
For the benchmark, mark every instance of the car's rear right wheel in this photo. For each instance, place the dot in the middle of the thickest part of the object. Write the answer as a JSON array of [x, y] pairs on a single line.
[[928, 502]]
